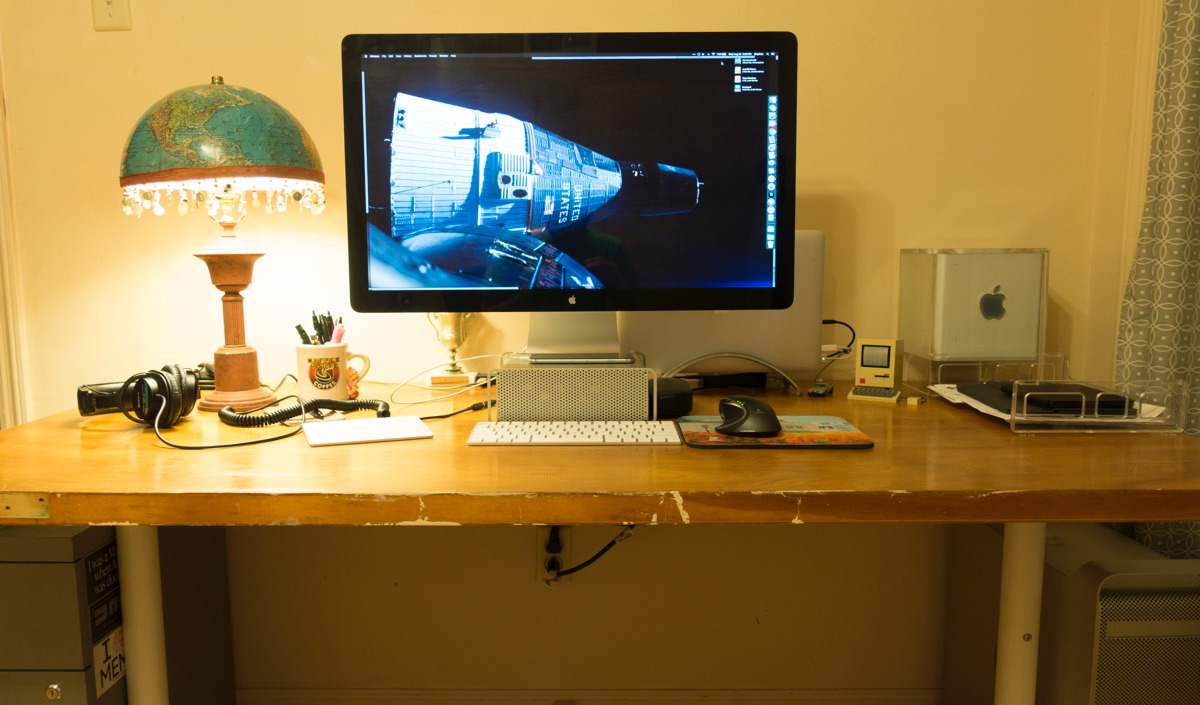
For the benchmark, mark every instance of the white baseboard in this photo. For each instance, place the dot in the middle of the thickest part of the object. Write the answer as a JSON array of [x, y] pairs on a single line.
[[303, 696]]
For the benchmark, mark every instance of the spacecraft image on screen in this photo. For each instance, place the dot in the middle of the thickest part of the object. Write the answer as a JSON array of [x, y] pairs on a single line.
[[478, 198], [609, 171]]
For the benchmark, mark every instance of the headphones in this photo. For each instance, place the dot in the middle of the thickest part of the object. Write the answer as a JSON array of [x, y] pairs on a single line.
[[173, 391]]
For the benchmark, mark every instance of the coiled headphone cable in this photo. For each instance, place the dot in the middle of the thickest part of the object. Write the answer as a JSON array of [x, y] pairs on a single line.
[[252, 419], [313, 406]]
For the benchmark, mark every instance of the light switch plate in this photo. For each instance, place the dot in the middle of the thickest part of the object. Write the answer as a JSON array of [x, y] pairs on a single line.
[[111, 15]]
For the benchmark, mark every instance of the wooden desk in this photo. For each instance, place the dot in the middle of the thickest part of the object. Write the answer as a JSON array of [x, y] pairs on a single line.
[[932, 463]]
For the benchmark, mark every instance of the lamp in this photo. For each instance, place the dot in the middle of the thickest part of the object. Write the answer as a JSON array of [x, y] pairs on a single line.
[[218, 149]]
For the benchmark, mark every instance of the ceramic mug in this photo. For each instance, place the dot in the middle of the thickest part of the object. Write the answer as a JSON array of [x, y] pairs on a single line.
[[324, 371]]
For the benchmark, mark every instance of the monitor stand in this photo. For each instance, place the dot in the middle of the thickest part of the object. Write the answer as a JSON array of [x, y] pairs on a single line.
[[575, 338]]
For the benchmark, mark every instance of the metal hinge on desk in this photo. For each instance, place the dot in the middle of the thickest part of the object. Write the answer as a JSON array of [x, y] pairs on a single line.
[[24, 505]]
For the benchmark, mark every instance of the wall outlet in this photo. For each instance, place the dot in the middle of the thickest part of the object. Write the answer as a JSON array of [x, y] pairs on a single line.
[[111, 16], [543, 564]]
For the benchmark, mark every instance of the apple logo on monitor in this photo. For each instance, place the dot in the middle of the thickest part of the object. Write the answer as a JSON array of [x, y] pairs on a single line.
[[991, 305]]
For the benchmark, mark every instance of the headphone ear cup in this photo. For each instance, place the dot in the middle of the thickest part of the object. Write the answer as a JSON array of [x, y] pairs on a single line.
[[151, 396], [173, 390], [140, 397], [187, 385], [169, 382]]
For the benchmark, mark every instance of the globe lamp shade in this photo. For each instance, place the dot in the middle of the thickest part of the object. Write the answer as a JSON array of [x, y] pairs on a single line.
[[221, 150]]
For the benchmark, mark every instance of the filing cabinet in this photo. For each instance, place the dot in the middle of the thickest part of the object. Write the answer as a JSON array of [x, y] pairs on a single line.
[[60, 616]]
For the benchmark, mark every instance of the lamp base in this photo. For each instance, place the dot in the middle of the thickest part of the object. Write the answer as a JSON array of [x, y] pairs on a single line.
[[235, 364], [235, 369]]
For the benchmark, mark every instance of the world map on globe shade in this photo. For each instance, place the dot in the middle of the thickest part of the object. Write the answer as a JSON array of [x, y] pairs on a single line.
[[217, 125]]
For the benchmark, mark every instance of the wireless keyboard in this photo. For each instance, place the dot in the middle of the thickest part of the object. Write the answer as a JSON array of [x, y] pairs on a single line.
[[582, 433], [884, 394]]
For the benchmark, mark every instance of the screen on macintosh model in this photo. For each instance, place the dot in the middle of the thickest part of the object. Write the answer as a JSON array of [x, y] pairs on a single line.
[[570, 172]]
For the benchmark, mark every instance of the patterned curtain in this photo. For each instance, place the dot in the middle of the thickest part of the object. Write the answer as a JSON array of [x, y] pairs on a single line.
[[1158, 339]]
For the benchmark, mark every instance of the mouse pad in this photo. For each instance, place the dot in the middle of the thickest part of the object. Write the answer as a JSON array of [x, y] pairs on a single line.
[[798, 432]]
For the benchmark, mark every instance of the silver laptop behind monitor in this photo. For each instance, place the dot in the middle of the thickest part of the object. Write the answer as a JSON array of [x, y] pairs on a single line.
[[789, 339]]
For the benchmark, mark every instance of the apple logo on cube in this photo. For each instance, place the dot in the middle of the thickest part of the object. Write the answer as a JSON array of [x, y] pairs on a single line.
[[991, 305]]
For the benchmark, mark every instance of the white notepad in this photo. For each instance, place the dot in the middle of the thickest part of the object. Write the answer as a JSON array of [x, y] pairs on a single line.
[[388, 428]]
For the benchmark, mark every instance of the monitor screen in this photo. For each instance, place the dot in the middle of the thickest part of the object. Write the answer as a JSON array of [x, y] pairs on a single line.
[[875, 356], [566, 172]]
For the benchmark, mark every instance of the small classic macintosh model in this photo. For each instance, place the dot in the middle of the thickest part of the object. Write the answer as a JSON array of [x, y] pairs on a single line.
[[877, 370]]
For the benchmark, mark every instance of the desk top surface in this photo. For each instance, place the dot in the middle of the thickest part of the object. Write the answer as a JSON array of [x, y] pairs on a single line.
[[933, 462]]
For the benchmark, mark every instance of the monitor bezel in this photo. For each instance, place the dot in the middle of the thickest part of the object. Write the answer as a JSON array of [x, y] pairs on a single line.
[[365, 299]]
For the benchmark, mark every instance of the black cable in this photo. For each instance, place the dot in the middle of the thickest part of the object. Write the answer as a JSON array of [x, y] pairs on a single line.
[[853, 335], [841, 353], [477, 406], [624, 534], [158, 432]]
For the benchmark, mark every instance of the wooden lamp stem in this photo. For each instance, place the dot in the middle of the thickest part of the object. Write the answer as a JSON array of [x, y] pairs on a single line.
[[235, 364]]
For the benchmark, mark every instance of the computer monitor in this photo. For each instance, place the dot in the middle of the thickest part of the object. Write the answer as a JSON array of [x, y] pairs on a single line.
[[552, 173]]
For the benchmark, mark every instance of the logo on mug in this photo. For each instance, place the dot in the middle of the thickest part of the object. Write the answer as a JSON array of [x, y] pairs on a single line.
[[323, 372]]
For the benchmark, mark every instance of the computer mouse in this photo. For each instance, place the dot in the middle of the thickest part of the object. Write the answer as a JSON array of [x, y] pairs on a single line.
[[747, 416]]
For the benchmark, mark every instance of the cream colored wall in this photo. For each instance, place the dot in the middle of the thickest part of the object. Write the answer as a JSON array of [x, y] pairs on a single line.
[[925, 124], [702, 608]]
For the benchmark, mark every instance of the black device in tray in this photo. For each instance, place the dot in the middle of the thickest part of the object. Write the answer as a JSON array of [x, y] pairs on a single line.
[[1057, 398]]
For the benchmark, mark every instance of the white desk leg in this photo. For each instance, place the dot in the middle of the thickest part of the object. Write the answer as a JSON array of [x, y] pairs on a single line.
[[142, 615], [1020, 613]]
